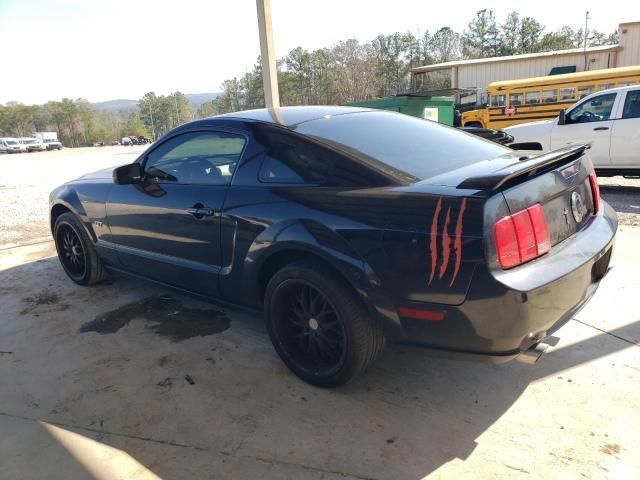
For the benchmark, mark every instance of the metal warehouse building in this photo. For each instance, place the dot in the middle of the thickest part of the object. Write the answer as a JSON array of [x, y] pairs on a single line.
[[479, 73]]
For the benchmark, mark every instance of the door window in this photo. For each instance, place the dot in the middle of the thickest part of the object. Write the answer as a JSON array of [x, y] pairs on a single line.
[[498, 100], [205, 158], [632, 105], [595, 110]]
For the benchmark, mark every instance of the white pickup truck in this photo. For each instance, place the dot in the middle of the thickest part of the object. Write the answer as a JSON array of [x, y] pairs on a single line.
[[609, 120]]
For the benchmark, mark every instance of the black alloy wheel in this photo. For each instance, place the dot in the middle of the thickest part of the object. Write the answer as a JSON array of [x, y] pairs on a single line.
[[312, 332], [76, 251], [71, 252], [319, 325]]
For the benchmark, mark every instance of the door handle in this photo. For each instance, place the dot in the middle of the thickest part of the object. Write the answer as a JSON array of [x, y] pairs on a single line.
[[600, 128], [201, 212]]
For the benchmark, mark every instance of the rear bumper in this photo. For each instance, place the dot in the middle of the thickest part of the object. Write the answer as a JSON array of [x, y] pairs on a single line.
[[507, 312]]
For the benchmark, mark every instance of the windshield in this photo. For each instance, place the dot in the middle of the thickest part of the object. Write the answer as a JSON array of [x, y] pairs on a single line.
[[419, 148], [11, 142]]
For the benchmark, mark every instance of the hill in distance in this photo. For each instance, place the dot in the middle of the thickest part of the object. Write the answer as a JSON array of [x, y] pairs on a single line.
[[196, 99]]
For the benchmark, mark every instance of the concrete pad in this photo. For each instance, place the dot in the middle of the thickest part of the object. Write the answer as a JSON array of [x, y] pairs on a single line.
[[124, 396]]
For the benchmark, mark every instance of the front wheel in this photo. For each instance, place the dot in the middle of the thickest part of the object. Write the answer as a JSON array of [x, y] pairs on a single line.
[[319, 326], [76, 251]]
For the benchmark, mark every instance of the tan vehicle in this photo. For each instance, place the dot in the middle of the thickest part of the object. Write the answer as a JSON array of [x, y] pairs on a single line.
[[513, 102]]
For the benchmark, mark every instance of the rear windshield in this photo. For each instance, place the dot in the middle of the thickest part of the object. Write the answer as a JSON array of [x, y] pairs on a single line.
[[420, 148]]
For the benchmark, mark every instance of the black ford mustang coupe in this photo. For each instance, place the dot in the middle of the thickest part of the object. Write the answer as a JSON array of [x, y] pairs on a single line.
[[350, 227]]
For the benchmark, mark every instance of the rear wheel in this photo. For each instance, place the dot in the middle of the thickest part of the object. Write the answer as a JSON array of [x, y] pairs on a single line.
[[318, 325], [76, 251]]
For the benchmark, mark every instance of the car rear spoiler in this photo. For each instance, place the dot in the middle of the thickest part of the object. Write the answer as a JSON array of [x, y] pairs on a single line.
[[527, 167]]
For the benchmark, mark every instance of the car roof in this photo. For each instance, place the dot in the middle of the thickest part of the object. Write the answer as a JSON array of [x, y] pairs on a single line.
[[608, 90], [291, 116], [618, 89]]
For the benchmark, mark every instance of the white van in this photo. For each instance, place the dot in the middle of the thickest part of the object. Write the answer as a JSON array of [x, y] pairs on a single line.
[[33, 144], [10, 145]]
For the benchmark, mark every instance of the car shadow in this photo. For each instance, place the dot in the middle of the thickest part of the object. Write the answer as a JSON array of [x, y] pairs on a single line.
[[407, 417]]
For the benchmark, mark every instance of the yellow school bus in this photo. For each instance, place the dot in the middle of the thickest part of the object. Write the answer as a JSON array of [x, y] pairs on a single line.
[[518, 101]]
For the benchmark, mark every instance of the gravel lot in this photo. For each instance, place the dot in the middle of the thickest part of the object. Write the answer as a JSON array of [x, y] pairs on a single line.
[[85, 399], [28, 179]]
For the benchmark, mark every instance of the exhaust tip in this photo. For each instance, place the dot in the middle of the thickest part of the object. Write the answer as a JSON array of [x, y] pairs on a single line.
[[534, 354]]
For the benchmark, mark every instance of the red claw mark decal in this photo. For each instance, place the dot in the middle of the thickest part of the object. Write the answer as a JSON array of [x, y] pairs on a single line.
[[447, 242], [446, 245], [458, 241], [433, 245]]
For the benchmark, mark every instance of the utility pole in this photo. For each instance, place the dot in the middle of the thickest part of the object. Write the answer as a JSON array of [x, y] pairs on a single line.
[[153, 125], [586, 35], [269, 71]]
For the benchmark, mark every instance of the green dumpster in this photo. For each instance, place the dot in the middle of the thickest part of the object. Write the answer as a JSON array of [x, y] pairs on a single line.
[[438, 109]]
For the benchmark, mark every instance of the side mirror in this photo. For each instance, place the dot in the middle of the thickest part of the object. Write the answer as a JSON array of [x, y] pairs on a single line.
[[562, 118], [128, 174]]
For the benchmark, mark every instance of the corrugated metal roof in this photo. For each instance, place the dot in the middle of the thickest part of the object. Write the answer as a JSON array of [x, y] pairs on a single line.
[[513, 58], [570, 77]]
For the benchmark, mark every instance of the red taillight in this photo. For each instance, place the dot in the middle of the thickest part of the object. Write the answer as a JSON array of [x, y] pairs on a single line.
[[419, 314], [540, 229], [506, 243], [595, 191], [521, 237]]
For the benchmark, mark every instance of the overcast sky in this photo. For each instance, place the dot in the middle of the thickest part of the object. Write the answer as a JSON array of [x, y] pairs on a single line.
[[107, 49]]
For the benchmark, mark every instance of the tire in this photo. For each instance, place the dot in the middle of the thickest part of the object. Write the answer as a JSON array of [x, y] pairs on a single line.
[[72, 242], [309, 346]]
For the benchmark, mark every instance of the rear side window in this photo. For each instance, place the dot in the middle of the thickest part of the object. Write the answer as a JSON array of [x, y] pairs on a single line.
[[632, 105], [585, 90], [568, 93], [401, 146], [289, 159], [550, 96], [515, 99], [531, 98]]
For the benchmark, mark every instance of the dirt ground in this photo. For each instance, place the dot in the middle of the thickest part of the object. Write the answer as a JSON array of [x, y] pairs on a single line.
[[131, 380]]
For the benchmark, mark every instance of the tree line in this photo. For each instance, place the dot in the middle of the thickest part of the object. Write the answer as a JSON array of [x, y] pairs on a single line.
[[355, 71], [348, 71]]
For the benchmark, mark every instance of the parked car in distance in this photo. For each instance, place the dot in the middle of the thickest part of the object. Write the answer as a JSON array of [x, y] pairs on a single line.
[[608, 120], [22, 144], [33, 144], [52, 144], [10, 145], [349, 228], [49, 139]]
